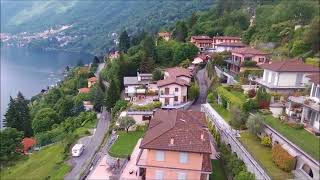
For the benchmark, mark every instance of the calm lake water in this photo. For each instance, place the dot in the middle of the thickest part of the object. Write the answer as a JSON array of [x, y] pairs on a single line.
[[29, 71]]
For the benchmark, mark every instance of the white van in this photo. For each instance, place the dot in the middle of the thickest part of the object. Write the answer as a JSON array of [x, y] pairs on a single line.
[[77, 150]]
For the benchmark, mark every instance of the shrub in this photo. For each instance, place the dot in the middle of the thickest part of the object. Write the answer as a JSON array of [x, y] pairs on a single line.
[[266, 141], [252, 93], [249, 64], [238, 118], [210, 98], [244, 175], [228, 96], [263, 98], [193, 91], [254, 124], [250, 105], [282, 158], [148, 107], [295, 125]]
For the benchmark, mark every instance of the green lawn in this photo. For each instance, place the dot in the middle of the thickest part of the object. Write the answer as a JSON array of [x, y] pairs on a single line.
[[125, 143], [217, 171], [263, 155], [300, 137], [47, 163], [224, 113]]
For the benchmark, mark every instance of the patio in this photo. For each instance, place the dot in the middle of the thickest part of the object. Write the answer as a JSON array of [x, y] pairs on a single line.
[[142, 100]]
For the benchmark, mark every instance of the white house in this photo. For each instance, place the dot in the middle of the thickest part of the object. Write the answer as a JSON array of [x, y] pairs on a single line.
[[137, 85], [306, 109], [173, 89], [286, 76], [228, 46]]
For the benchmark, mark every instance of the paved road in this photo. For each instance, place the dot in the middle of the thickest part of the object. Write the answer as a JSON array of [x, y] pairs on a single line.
[[203, 91], [79, 163]]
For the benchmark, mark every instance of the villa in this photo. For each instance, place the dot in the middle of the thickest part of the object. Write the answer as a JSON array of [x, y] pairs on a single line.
[[286, 76], [92, 81], [165, 35], [175, 146], [306, 109], [246, 57], [173, 89], [225, 39], [228, 46], [137, 85], [202, 42]]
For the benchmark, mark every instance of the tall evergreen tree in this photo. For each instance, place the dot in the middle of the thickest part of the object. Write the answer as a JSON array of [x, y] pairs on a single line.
[[113, 93], [180, 33], [124, 42], [146, 64], [18, 115], [149, 46]]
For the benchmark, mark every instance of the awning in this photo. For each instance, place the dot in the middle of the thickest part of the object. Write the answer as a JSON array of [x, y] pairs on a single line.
[[291, 151], [141, 91], [197, 60]]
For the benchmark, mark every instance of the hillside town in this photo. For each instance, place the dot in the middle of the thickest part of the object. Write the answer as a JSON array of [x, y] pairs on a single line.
[[178, 105]]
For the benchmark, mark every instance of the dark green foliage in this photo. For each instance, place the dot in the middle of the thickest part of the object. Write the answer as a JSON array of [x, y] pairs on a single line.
[[250, 105], [113, 94], [255, 124], [263, 98], [119, 106], [183, 52], [180, 32], [244, 175], [157, 75], [97, 97], [44, 120], [64, 107], [147, 64], [18, 115], [10, 143], [126, 122], [193, 91], [124, 42], [149, 46], [238, 118]]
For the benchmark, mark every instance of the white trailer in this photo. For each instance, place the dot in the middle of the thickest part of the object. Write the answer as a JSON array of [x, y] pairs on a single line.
[[77, 150]]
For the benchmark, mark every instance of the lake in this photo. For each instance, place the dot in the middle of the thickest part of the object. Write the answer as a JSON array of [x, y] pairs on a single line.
[[30, 71]]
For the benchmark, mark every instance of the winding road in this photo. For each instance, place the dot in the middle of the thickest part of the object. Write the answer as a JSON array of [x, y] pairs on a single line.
[[202, 90]]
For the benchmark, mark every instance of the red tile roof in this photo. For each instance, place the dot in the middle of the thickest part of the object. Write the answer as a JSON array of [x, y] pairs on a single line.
[[172, 80], [248, 51], [237, 44], [28, 143], [227, 37], [204, 37], [315, 78], [178, 71], [291, 65], [93, 79], [84, 90], [184, 128]]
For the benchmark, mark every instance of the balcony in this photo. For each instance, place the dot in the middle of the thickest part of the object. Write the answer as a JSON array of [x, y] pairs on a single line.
[[272, 86]]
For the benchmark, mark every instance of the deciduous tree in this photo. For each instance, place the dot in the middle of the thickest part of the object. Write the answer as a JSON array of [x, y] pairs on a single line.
[[10, 143], [126, 122]]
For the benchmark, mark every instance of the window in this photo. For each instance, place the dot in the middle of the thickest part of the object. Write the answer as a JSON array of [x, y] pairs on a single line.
[[182, 176], [176, 89], [159, 155], [176, 98], [261, 59], [159, 175], [166, 91], [183, 157]]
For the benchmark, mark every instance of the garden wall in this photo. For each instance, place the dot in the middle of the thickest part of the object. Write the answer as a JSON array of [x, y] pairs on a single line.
[[229, 137]]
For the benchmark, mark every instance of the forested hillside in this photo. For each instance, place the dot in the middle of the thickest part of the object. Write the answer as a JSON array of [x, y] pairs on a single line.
[[283, 27], [93, 22]]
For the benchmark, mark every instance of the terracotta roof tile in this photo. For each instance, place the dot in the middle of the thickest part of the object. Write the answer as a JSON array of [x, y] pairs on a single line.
[[184, 127], [315, 78], [93, 79], [28, 143], [237, 44], [248, 51], [291, 65], [227, 37], [178, 71], [203, 37], [172, 80], [84, 90]]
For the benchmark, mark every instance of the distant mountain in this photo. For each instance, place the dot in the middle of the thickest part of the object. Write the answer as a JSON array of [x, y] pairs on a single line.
[[91, 25]]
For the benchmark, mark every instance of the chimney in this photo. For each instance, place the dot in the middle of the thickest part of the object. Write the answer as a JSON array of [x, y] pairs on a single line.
[[202, 136], [171, 141]]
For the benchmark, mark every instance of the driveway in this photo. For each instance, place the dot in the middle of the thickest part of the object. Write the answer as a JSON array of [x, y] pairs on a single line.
[[92, 144], [202, 91]]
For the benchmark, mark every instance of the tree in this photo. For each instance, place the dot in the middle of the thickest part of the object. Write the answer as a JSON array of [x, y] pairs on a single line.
[[18, 115], [97, 97], [311, 35], [126, 122], [64, 107], [193, 91], [10, 143], [192, 20], [124, 42], [157, 75], [149, 46], [183, 52], [254, 124], [238, 118], [44, 120], [113, 93], [180, 32], [146, 64], [263, 98], [244, 175]]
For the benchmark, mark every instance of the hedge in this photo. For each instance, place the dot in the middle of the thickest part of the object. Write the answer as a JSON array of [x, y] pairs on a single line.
[[282, 158], [148, 107], [229, 97]]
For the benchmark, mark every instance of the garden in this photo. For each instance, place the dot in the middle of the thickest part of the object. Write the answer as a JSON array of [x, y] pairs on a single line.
[[125, 143]]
